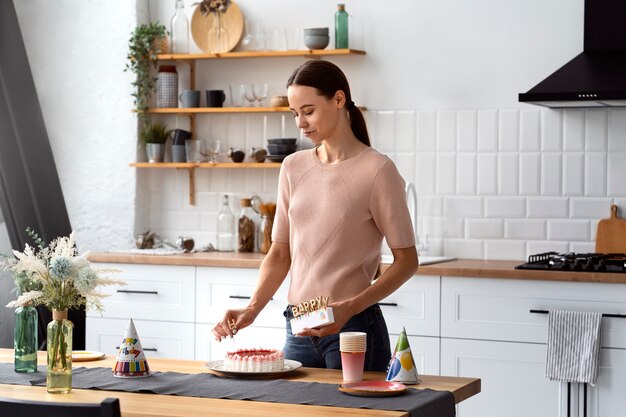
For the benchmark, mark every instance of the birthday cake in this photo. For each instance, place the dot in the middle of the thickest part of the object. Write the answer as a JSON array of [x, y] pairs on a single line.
[[254, 360]]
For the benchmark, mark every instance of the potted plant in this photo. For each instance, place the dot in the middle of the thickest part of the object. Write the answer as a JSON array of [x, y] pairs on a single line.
[[154, 136], [145, 43]]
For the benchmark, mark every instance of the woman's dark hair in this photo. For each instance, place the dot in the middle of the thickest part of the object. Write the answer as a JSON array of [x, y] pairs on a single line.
[[328, 78]]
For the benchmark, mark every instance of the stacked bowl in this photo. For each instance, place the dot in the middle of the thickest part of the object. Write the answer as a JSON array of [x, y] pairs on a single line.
[[281, 147]]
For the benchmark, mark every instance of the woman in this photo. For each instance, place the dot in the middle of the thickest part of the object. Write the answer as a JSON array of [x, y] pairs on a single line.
[[335, 204]]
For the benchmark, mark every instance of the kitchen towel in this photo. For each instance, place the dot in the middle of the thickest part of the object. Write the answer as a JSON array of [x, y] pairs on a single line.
[[573, 346], [418, 403]]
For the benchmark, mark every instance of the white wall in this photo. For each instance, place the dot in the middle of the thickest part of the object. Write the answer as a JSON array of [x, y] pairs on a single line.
[[496, 179]]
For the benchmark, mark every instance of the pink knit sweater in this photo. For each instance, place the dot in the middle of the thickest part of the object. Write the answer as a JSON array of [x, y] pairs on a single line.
[[334, 218]]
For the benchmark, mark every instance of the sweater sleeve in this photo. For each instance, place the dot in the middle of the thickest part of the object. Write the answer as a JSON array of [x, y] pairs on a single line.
[[389, 207]]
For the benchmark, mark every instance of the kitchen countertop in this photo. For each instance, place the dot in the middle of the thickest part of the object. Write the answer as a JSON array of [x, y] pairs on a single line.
[[472, 268]]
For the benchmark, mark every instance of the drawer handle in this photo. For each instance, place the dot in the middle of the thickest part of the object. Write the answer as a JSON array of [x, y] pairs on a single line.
[[617, 316], [137, 292], [243, 297], [388, 304], [145, 349]]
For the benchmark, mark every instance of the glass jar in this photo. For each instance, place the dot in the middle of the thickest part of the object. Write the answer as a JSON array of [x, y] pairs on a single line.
[[246, 229], [59, 370], [265, 233], [225, 227], [25, 339]]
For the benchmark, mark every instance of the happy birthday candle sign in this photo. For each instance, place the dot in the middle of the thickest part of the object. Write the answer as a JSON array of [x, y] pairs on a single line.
[[311, 314]]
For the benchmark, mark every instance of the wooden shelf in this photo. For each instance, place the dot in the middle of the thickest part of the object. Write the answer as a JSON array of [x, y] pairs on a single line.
[[196, 110], [192, 165], [261, 54], [191, 169]]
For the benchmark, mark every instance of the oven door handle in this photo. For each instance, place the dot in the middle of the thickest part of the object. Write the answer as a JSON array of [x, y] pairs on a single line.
[[617, 316]]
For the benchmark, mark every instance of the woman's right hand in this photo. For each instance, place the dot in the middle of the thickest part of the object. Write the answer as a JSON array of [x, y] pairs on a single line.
[[232, 322]]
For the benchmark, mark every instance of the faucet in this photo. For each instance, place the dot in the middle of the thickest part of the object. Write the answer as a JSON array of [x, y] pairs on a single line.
[[411, 198]]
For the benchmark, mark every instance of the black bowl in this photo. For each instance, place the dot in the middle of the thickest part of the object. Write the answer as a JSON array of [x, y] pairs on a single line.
[[282, 141], [274, 149]]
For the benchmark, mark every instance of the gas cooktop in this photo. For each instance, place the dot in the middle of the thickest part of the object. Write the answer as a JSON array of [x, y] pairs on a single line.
[[577, 262]]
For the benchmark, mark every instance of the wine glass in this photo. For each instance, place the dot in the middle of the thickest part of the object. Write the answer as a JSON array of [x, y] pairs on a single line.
[[249, 94], [211, 149], [260, 91]]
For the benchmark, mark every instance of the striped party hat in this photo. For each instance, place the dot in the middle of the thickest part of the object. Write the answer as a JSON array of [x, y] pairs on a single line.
[[131, 361]]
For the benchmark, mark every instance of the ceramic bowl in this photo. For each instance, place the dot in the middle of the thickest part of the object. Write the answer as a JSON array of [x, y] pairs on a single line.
[[282, 141], [281, 149], [316, 41], [316, 31]]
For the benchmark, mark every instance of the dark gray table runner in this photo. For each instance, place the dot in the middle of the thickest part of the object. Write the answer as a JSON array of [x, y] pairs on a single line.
[[419, 403]]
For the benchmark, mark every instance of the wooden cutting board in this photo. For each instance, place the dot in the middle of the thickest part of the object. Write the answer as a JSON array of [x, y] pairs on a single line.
[[611, 234]]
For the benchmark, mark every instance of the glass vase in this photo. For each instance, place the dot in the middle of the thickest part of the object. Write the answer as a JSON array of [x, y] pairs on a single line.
[[218, 36], [25, 339], [59, 372]]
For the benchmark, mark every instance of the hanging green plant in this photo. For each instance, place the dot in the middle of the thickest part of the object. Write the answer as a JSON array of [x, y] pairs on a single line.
[[142, 58]]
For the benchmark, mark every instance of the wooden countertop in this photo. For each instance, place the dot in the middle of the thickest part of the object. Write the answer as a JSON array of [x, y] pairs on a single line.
[[153, 405], [473, 268]]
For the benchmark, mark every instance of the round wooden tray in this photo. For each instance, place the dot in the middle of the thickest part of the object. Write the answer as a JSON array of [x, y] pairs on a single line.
[[232, 22]]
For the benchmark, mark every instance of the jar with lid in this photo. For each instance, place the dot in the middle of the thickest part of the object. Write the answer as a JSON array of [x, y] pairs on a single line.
[[265, 233], [246, 227], [225, 227], [167, 86]]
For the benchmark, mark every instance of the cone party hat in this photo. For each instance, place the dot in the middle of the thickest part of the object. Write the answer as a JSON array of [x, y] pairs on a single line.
[[131, 361], [402, 366]]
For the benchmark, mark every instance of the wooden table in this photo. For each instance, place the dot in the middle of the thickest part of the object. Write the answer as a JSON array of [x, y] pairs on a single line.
[[153, 405]]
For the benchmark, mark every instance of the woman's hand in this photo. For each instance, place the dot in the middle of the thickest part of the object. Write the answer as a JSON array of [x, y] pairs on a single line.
[[233, 321], [341, 313]]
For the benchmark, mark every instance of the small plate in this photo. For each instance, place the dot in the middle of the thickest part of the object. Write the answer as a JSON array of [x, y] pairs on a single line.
[[218, 367], [86, 356], [373, 388]]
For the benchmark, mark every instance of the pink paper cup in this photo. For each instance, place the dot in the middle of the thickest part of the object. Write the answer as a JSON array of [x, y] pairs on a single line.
[[352, 364]]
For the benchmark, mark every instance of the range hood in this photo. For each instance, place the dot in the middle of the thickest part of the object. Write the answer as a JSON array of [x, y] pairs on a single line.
[[597, 76]]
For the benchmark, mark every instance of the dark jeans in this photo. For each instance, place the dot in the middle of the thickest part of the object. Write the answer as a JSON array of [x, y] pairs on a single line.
[[323, 352]]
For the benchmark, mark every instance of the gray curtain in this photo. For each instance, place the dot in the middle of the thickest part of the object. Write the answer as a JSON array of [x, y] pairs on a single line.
[[30, 191]]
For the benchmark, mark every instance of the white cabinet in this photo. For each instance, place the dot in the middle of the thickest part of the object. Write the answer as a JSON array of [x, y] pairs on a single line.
[[512, 381], [158, 339], [414, 306], [607, 398], [161, 301], [487, 331]]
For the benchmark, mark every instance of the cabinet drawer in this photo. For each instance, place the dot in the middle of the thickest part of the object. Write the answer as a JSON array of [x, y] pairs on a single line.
[[153, 292], [219, 289], [158, 339], [207, 348], [499, 309], [414, 306]]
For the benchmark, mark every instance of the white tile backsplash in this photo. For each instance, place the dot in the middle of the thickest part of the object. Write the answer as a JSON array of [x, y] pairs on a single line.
[[616, 139], [568, 230], [530, 130], [616, 181], [491, 183], [573, 130], [446, 131], [595, 130], [551, 130], [488, 130], [467, 130], [508, 132]]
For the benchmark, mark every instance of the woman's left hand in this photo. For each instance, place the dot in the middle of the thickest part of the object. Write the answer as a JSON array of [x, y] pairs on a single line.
[[341, 314]]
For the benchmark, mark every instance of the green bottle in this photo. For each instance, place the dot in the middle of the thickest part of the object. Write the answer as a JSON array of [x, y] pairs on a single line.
[[341, 27]]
